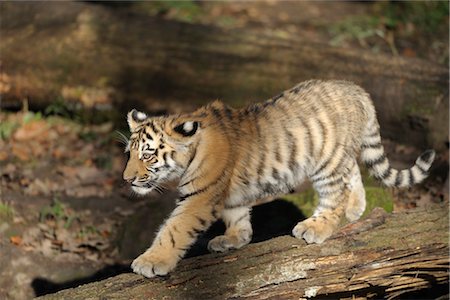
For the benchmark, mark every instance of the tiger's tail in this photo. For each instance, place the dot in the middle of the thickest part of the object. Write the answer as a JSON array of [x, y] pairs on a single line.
[[373, 155]]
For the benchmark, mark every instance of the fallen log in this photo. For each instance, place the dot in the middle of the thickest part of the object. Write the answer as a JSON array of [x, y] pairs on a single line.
[[95, 53], [384, 256]]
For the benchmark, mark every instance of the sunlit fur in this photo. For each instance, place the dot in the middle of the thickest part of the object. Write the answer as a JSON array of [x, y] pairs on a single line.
[[227, 160]]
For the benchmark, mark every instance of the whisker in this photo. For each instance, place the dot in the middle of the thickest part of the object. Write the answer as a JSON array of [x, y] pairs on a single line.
[[156, 187], [120, 137], [159, 188]]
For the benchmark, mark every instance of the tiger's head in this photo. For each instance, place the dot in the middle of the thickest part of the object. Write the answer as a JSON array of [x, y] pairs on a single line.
[[160, 149]]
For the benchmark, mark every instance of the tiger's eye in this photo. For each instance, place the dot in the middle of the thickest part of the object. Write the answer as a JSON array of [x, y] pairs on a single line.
[[146, 156]]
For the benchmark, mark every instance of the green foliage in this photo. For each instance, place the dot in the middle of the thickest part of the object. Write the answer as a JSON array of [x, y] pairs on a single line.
[[58, 108], [7, 128], [187, 11], [57, 211], [88, 231], [378, 197], [427, 16], [6, 212], [359, 28], [31, 116]]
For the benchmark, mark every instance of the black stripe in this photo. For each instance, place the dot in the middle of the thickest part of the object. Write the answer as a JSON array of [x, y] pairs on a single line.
[[228, 113], [296, 89], [376, 133], [324, 134], [241, 116], [187, 182], [385, 174], [413, 179], [324, 217], [228, 206], [277, 150], [321, 182], [342, 161], [308, 135], [148, 136], [190, 161], [274, 99], [377, 161], [422, 170], [322, 166], [262, 150], [244, 180], [199, 191], [330, 192], [292, 147], [410, 178], [275, 174], [202, 221], [186, 196], [215, 213], [153, 127], [197, 231], [398, 179], [172, 239], [261, 164], [218, 115], [240, 219], [367, 146]]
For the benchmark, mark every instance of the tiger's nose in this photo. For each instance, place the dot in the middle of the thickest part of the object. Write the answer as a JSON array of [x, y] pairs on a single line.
[[129, 178]]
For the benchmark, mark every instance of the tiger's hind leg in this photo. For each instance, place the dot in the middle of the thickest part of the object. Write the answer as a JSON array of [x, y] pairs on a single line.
[[238, 233], [356, 204], [333, 195]]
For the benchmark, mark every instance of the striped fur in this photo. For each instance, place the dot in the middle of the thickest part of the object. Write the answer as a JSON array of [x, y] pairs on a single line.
[[227, 160]]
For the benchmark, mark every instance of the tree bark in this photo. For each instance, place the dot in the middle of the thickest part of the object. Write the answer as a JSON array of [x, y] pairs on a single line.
[[384, 256], [93, 53]]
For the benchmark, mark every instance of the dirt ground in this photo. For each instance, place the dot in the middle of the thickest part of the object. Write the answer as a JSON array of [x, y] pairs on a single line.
[[66, 216]]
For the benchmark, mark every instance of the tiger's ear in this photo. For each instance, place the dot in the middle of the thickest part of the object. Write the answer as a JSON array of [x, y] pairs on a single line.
[[188, 128], [135, 118]]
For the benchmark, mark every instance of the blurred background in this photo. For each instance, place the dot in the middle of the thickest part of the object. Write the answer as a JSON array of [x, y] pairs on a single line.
[[69, 72]]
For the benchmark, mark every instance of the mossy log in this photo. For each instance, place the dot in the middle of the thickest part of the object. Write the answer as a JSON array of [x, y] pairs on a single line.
[[94, 52], [383, 256]]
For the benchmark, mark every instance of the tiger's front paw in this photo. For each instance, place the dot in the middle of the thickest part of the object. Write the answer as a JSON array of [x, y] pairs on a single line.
[[151, 264], [313, 230]]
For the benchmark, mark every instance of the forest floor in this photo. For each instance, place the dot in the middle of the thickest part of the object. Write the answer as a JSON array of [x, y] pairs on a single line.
[[65, 212]]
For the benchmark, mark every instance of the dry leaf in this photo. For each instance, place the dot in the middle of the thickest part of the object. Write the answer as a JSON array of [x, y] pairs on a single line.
[[16, 240], [3, 155], [37, 129], [21, 152]]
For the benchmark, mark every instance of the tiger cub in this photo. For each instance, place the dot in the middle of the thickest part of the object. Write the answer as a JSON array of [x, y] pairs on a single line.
[[226, 160]]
